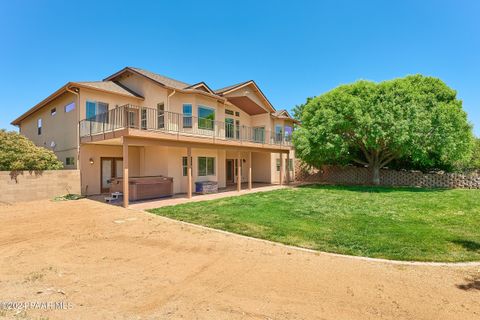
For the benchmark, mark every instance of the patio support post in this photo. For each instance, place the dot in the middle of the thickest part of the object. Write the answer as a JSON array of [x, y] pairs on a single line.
[[250, 170], [189, 171], [239, 172], [125, 172], [281, 168], [288, 167]]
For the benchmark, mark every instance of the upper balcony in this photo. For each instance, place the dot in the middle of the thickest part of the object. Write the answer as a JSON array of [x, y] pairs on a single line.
[[129, 120]]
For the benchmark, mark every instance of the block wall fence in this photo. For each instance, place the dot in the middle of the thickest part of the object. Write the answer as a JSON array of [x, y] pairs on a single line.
[[29, 186]]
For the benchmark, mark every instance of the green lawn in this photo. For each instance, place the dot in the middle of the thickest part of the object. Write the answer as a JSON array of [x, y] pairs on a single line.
[[392, 223]]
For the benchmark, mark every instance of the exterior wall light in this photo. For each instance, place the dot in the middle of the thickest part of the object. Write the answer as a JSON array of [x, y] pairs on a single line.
[[91, 160]]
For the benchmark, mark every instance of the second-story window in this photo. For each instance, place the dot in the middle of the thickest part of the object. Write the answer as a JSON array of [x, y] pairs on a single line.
[[206, 118], [143, 118], [278, 133], [53, 111], [259, 134], [160, 115], [69, 107], [39, 126], [96, 108], [237, 129], [187, 115], [288, 133], [229, 128]]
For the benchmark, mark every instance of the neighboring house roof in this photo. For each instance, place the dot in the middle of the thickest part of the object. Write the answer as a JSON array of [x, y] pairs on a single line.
[[284, 114], [201, 85], [104, 86]]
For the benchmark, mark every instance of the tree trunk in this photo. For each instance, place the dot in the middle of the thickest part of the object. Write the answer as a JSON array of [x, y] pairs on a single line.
[[376, 174]]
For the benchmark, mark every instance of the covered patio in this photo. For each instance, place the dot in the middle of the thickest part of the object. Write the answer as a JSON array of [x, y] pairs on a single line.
[[148, 157]]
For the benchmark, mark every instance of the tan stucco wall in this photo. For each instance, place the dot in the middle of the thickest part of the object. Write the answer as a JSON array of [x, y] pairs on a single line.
[[276, 174], [113, 100], [37, 186], [91, 172], [61, 128], [152, 92], [261, 167], [149, 161]]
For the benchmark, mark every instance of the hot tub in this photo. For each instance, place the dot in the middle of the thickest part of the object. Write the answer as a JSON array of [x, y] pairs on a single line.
[[141, 188]]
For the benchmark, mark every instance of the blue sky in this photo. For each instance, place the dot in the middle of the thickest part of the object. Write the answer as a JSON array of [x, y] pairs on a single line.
[[292, 49]]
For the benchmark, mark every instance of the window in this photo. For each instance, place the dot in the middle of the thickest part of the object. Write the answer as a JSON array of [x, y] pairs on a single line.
[[278, 164], [39, 126], [70, 107], [259, 134], [288, 133], [206, 118], [229, 128], [237, 129], [131, 119], [94, 109], [53, 111], [278, 133], [187, 115], [206, 166], [185, 166], [160, 116], [229, 112], [70, 161], [91, 109], [143, 118], [237, 114]]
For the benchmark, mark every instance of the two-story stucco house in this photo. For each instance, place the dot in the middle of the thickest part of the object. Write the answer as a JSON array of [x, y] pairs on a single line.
[[136, 123]]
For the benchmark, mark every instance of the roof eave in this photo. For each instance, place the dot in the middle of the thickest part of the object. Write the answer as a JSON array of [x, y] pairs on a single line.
[[61, 91], [39, 105]]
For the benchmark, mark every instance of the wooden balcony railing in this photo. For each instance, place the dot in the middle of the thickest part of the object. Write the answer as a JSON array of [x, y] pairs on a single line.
[[150, 119]]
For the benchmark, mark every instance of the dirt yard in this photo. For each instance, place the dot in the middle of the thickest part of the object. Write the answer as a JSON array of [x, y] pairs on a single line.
[[105, 262]]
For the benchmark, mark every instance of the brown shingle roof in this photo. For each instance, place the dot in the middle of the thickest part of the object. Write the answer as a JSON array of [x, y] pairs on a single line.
[[222, 90], [111, 86], [162, 79]]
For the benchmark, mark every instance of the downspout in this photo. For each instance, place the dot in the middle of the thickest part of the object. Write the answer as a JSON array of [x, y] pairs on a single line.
[[168, 98]]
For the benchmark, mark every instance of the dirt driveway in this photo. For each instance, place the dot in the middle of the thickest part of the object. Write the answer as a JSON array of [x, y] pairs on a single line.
[[106, 262]]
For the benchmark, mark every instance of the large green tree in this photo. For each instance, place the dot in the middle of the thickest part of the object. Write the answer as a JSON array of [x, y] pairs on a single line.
[[19, 153], [475, 163], [416, 118]]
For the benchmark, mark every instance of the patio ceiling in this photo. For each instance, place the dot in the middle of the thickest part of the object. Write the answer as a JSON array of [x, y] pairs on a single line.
[[247, 105]]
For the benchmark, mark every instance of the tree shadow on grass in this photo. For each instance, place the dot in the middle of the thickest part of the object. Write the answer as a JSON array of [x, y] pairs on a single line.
[[372, 189], [468, 245]]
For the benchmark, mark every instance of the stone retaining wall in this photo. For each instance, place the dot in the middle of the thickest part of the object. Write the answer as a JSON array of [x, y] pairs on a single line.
[[362, 176]]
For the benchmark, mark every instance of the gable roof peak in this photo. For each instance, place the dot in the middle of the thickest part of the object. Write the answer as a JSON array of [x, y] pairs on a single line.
[[161, 79]]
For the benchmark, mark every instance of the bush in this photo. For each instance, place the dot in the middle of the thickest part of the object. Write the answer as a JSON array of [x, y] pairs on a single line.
[[19, 153]]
